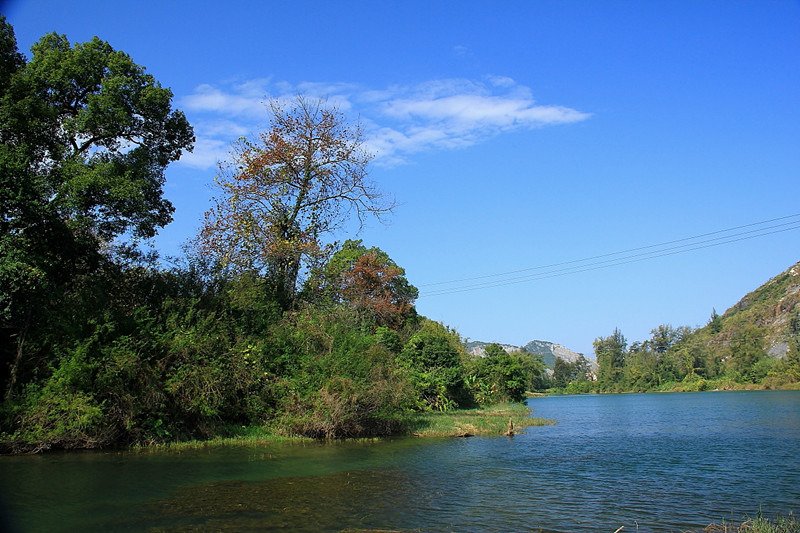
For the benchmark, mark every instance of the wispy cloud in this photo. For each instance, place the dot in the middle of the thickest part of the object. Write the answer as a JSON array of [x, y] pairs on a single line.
[[398, 120]]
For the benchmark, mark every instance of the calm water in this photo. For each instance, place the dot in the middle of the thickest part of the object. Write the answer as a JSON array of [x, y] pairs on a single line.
[[668, 462]]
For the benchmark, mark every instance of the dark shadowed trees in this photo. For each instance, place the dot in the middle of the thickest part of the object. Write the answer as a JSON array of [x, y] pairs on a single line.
[[85, 137]]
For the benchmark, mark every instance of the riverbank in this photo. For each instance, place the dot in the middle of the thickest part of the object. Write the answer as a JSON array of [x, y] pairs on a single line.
[[695, 385], [495, 420]]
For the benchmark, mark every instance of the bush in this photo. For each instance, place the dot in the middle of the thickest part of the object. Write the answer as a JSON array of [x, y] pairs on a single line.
[[435, 371]]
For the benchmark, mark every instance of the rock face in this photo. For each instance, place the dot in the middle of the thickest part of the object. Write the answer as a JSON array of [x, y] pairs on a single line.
[[479, 348], [548, 350], [775, 307]]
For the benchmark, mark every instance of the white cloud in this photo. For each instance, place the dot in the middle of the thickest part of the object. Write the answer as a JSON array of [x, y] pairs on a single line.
[[206, 154], [243, 99], [398, 120]]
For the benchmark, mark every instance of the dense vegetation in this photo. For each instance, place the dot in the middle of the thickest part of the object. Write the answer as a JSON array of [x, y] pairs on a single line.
[[755, 344], [264, 322]]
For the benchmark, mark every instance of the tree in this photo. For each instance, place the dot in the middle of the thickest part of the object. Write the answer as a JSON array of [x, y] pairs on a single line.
[[610, 354], [533, 368], [282, 193], [368, 280], [435, 370], [745, 350], [564, 372], [91, 134], [85, 137], [714, 322], [664, 337], [497, 377]]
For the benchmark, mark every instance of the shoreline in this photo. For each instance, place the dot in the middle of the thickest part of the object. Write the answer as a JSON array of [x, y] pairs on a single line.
[[676, 387], [491, 421]]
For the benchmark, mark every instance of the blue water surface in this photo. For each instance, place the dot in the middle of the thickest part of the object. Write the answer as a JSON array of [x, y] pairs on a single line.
[[649, 462]]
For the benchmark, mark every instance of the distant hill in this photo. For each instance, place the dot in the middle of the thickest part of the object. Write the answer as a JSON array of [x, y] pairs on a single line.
[[548, 350], [755, 343], [774, 307], [479, 347]]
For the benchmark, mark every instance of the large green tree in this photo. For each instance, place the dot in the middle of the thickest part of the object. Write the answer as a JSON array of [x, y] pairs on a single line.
[[610, 353], [85, 137], [282, 194]]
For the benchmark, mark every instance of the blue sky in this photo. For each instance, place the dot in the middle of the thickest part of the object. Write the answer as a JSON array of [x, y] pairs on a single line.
[[514, 136]]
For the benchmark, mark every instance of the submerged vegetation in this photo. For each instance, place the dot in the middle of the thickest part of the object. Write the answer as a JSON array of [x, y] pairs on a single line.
[[781, 524]]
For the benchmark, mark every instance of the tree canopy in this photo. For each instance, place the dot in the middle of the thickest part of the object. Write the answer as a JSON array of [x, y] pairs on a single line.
[[368, 280], [282, 194], [85, 137]]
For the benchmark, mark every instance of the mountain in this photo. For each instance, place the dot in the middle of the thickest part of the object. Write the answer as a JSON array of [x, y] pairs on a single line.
[[548, 350], [774, 308], [479, 347]]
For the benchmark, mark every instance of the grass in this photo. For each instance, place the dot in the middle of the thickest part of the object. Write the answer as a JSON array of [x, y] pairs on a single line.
[[492, 420], [489, 421], [782, 524], [232, 436]]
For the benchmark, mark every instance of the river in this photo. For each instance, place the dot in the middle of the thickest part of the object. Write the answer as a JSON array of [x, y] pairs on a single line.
[[649, 462]]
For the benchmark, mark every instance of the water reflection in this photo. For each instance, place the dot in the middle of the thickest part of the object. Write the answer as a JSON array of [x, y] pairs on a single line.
[[647, 462]]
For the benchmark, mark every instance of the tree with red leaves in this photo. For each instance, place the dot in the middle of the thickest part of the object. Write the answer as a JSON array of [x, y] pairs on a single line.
[[281, 194]]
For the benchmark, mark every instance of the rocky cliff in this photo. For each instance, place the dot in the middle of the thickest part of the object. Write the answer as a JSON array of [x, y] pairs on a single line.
[[548, 350]]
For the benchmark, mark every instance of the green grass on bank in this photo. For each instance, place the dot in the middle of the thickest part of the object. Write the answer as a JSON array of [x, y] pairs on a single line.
[[468, 422], [489, 421], [232, 436]]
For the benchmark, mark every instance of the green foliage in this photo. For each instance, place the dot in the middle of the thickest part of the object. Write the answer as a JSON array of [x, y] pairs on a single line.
[[85, 136], [102, 345], [368, 280], [435, 369], [346, 383], [744, 352], [610, 354], [497, 377], [759, 524], [564, 373], [533, 368]]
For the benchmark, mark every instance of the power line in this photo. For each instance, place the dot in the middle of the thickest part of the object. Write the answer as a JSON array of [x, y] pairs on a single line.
[[613, 253], [627, 256]]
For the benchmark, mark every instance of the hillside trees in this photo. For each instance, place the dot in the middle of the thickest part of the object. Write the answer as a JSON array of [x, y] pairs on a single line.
[[85, 137], [564, 372], [281, 194]]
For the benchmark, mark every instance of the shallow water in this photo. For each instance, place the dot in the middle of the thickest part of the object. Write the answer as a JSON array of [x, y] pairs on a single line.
[[666, 462]]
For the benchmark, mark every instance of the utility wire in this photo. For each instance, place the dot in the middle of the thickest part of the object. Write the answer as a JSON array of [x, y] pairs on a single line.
[[591, 263], [613, 253], [631, 258]]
